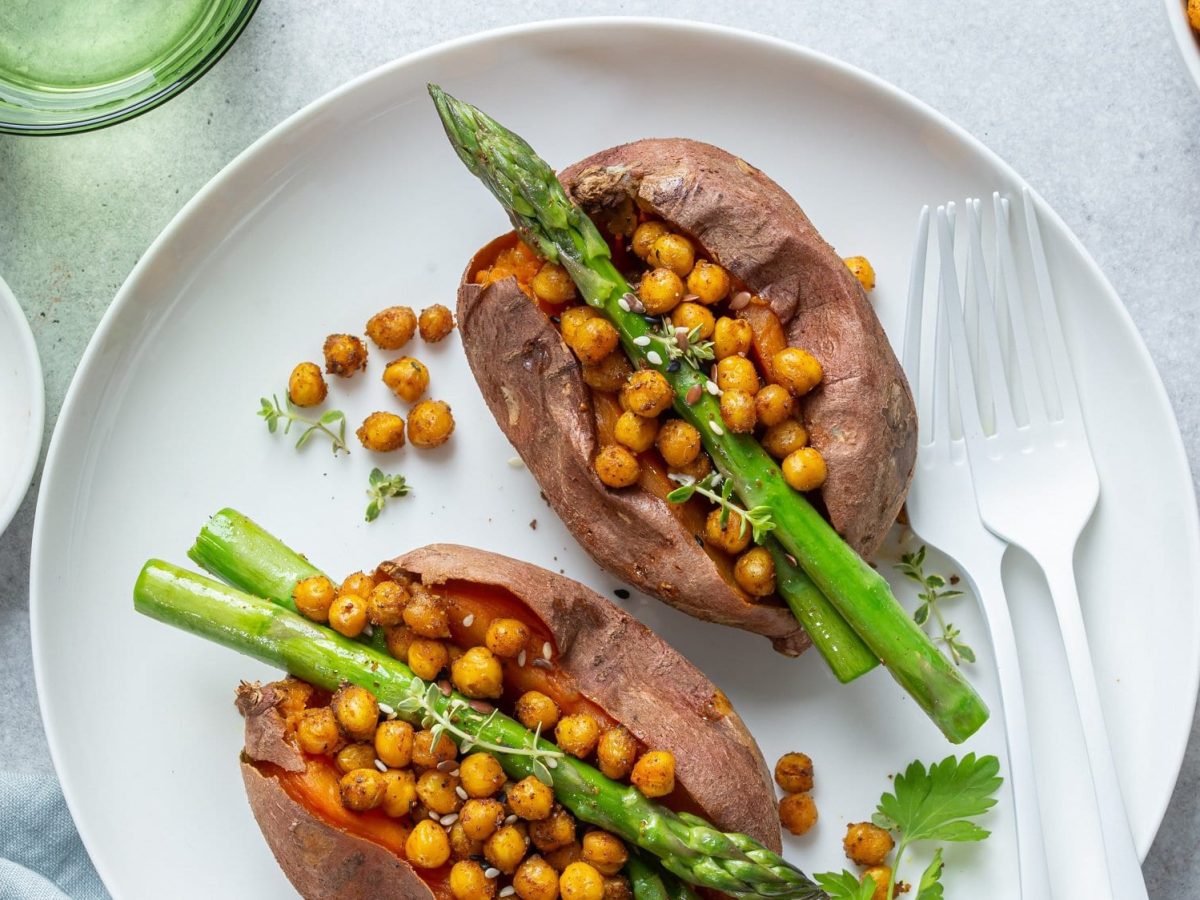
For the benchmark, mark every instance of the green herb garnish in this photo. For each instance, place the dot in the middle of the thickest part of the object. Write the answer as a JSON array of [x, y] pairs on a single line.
[[274, 413], [934, 591], [845, 885], [380, 488], [758, 518]]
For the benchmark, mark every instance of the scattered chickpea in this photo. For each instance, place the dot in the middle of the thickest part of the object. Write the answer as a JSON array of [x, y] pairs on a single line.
[[616, 752], [355, 756], [345, 354], [674, 252], [506, 637], [506, 848], [737, 410], [798, 813], [755, 572], [736, 373], [882, 876], [863, 271], [430, 423], [427, 846], [536, 880], [467, 881], [481, 817], [731, 337], [400, 793], [317, 731], [647, 393], [555, 831], [577, 734], [348, 615], [435, 322], [635, 432], [572, 319], [427, 616], [645, 235], [660, 291], [356, 711], [794, 773], [654, 773], [616, 466], [436, 790], [594, 340], [604, 852], [392, 328], [866, 844], [407, 378], [362, 789], [306, 385], [477, 674], [796, 369], [731, 538], [481, 775], [313, 596], [426, 754], [382, 432], [608, 374], [552, 284], [694, 317], [530, 799], [678, 442], [394, 743], [580, 881], [785, 438], [709, 282], [427, 658], [804, 469], [534, 708], [774, 404]]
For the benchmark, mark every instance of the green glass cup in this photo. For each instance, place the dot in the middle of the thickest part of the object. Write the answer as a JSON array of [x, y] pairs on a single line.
[[75, 65]]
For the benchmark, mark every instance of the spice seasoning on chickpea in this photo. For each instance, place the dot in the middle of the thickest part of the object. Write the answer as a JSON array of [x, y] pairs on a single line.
[[709, 282], [609, 374], [731, 537], [673, 252], [738, 411], [407, 378], [616, 466], [798, 813], [430, 423], [660, 291], [644, 237], [306, 385], [863, 271], [392, 328], [647, 393], [804, 469], [796, 369], [313, 597], [345, 354], [635, 432], [654, 773], [678, 442], [694, 317], [785, 438], [552, 284], [435, 322], [382, 432], [731, 337]]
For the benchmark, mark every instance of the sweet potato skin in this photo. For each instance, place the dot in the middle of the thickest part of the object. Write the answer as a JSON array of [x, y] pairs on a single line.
[[862, 416], [534, 388]]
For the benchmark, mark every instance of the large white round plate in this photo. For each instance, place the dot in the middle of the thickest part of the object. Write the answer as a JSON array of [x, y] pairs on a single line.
[[357, 203], [1185, 37], [22, 405]]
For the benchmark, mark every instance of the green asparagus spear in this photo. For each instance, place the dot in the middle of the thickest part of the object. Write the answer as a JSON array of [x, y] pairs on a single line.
[[649, 882], [687, 846], [548, 220]]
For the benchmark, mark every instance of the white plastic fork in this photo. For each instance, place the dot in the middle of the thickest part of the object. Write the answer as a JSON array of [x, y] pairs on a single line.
[[941, 510], [1035, 481]]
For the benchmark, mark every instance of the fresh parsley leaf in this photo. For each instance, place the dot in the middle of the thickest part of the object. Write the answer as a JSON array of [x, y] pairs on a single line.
[[930, 887], [845, 885], [937, 805]]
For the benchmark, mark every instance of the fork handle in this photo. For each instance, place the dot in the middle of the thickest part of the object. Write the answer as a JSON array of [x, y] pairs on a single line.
[[988, 586], [1124, 866]]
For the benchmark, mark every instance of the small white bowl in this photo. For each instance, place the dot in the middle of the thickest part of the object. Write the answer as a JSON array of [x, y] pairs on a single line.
[[22, 405], [1185, 37]]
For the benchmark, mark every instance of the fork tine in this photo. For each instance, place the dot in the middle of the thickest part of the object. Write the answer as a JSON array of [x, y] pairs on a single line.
[[951, 303], [990, 370], [1026, 368], [911, 355], [1068, 396]]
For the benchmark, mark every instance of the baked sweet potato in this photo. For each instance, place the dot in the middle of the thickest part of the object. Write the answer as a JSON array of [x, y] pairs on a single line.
[[602, 660], [860, 418]]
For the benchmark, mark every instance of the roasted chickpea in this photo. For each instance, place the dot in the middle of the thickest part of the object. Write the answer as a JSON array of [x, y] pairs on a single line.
[[798, 813], [882, 876], [344, 355], [616, 752], [506, 848], [731, 337], [313, 596], [604, 852], [467, 881], [804, 469], [481, 775], [481, 817], [399, 639], [356, 711], [785, 438], [635, 432], [436, 790], [736, 373], [435, 322], [306, 385], [594, 340], [317, 731], [698, 468], [774, 404], [427, 658], [506, 637], [617, 888], [796, 369], [355, 756], [385, 603], [382, 432], [430, 423], [866, 844], [616, 466], [427, 846], [737, 411], [461, 846], [400, 793], [645, 235], [609, 374], [392, 328], [572, 319], [426, 754], [660, 291], [794, 773], [477, 674], [530, 799], [407, 378], [348, 615], [535, 708], [580, 881], [360, 584], [647, 393], [733, 538], [394, 743], [654, 773], [555, 831], [755, 572], [536, 880], [863, 271], [709, 282], [552, 284], [694, 317], [426, 615], [577, 734], [678, 442], [362, 789], [562, 857], [674, 252]]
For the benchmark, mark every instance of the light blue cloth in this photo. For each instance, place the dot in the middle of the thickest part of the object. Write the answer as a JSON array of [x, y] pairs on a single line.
[[41, 856]]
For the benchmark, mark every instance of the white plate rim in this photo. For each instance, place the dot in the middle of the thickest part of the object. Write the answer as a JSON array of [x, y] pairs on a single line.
[[32, 447], [229, 172], [1186, 39]]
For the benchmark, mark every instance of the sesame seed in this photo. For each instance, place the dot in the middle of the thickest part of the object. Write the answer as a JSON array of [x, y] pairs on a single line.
[[381, 765], [449, 820], [386, 710], [510, 819], [690, 298], [468, 620], [547, 650], [368, 629], [490, 872], [716, 429], [653, 358], [642, 340], [740, 299], [454, 773], [693, 394], [447, 765], [521, 658], [515, 462], [508, 891], [711, 387], [551, 762], [462, 794], [681, 336], [433, 815], [623, 303]]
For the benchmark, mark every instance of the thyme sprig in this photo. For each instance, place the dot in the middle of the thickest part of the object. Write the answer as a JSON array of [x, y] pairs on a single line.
[[692, 349], [380, 488], [458, 713], [758, 518], [273, 413], [934, 592]]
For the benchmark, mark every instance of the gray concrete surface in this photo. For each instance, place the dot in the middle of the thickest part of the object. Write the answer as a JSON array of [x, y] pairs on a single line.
[[1088, 100]]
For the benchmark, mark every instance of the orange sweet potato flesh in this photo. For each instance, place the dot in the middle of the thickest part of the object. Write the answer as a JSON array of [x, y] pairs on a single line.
[[603, 659]]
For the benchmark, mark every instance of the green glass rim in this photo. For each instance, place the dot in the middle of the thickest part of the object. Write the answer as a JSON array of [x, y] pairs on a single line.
[[233, 28]]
